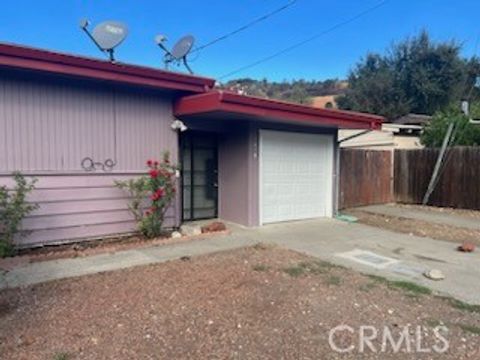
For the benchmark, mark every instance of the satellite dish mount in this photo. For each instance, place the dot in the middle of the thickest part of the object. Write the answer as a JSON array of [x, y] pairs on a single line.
[[106, 35], [179, 51]]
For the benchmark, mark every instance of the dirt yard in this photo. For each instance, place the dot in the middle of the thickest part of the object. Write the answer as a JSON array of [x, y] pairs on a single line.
[[255, 303], [420, 227]]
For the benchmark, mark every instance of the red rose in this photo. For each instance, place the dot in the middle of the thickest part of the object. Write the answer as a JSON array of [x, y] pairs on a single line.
[[149, 162], [159, 192], [153, 173], [148, 213], [155, 163]]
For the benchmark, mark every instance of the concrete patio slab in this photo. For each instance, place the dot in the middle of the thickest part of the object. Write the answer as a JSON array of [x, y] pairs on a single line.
[[424, 215]]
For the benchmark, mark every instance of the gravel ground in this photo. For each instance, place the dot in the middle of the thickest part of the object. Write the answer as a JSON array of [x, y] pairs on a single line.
[[255, 303], [445, 210], [420, 227]]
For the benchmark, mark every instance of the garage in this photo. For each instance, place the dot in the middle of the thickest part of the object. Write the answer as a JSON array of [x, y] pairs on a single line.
[[296, 176], [276, 160]]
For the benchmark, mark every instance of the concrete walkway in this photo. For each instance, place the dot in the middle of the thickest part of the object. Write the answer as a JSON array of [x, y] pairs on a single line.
[[326, 239], [425, 215], [39, 272]]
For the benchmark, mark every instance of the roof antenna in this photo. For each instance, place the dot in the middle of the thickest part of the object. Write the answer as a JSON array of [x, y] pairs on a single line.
[[179, 51], [106, 35]]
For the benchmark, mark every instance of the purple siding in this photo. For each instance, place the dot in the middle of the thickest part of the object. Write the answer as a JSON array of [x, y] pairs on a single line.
[[48, 127], [238, 176], [233, 177]]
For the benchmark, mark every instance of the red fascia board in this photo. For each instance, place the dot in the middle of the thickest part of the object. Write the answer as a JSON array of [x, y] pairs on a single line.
[[45, 61], [218, 101]]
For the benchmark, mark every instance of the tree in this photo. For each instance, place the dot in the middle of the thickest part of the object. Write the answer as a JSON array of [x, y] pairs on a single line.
[[465, 133], [372, 89], [414, 76]]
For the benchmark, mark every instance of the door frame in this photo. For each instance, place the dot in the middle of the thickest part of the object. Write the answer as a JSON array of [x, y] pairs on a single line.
[[191, 134]]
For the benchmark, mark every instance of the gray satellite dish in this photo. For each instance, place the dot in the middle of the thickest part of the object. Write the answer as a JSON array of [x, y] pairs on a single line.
[[106, 35], [179, 51], [183, 47]]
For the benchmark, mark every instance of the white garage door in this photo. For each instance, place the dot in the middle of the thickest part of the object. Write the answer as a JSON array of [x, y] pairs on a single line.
[[296, 172]]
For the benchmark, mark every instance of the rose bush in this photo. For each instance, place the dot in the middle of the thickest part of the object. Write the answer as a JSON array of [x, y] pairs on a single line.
[[151, 195]]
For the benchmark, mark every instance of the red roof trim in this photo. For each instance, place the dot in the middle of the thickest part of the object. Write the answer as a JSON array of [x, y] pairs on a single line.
[[21, 57], [219, 101]]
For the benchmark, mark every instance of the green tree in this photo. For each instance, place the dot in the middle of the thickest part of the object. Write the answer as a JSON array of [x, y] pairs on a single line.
[[416, 75], [465, 133]]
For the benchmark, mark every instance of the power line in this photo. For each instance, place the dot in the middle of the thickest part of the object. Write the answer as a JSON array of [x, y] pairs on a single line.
[[310, 39], [246, 26]]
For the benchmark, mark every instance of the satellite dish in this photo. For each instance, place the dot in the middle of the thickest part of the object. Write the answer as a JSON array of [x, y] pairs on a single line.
[[110, 34], [179, 51], [106, 35], [183, 47]]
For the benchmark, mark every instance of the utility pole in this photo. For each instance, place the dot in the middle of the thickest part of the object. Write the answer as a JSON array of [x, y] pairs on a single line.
[[438, 165]]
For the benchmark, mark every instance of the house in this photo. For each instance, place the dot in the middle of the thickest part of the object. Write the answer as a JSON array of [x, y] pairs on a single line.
[[325, 102], [78, 124], [401, 133]]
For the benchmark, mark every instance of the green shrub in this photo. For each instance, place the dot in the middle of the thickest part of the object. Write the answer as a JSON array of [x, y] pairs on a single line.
[[151, 195], [13, 209]]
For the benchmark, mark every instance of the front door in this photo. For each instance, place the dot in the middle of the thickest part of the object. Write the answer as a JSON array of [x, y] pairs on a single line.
[[199, 175]]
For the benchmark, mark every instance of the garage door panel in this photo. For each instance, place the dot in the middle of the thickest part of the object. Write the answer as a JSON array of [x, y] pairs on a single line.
[[296, 176]]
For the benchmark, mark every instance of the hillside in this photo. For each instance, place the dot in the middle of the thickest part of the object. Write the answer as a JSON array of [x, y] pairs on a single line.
[[299, 91]]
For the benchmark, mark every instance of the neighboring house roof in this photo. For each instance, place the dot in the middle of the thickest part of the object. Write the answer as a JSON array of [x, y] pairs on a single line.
[[323, 101], [391, 136], [219, 104], [26, 58], [413, 119]]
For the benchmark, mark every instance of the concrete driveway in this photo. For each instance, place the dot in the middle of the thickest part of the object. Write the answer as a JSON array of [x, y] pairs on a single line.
[[359, 247], [405, 257]]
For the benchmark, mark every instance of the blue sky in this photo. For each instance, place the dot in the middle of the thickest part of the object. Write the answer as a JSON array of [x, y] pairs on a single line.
[[53, 24]]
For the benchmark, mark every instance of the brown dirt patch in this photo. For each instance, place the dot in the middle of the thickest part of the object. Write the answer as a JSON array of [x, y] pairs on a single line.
[[95, 247], [417, 227], [255, 303], [475, 214]]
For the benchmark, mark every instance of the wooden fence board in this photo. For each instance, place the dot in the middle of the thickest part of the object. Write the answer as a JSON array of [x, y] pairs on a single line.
[[365, 177], [458, 185]]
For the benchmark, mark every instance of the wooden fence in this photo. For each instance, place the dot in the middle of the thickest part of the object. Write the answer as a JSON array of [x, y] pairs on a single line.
[[458, 185], [365, 177]]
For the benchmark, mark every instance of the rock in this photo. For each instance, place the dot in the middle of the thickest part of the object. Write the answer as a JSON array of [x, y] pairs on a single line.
[[434, 274], [175, 235], [214, 227], [190, 230], [467, 246]]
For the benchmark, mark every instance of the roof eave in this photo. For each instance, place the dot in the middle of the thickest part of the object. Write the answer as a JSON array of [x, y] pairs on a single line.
[[217, 101], [23, 58]]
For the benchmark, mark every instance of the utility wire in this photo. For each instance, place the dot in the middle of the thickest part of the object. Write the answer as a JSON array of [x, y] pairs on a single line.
[[310, 39], [246, 26]]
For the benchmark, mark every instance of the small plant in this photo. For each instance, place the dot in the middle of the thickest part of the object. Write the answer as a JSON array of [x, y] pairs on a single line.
[[260, 267], [13, 209], [61, 356], [460, 305], [295, 271], [151, 195], [470, 328], [410, 287], [334, 280]]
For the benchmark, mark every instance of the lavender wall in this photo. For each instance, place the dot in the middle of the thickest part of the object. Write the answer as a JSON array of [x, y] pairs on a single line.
[[233, 175], [47, 126]]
